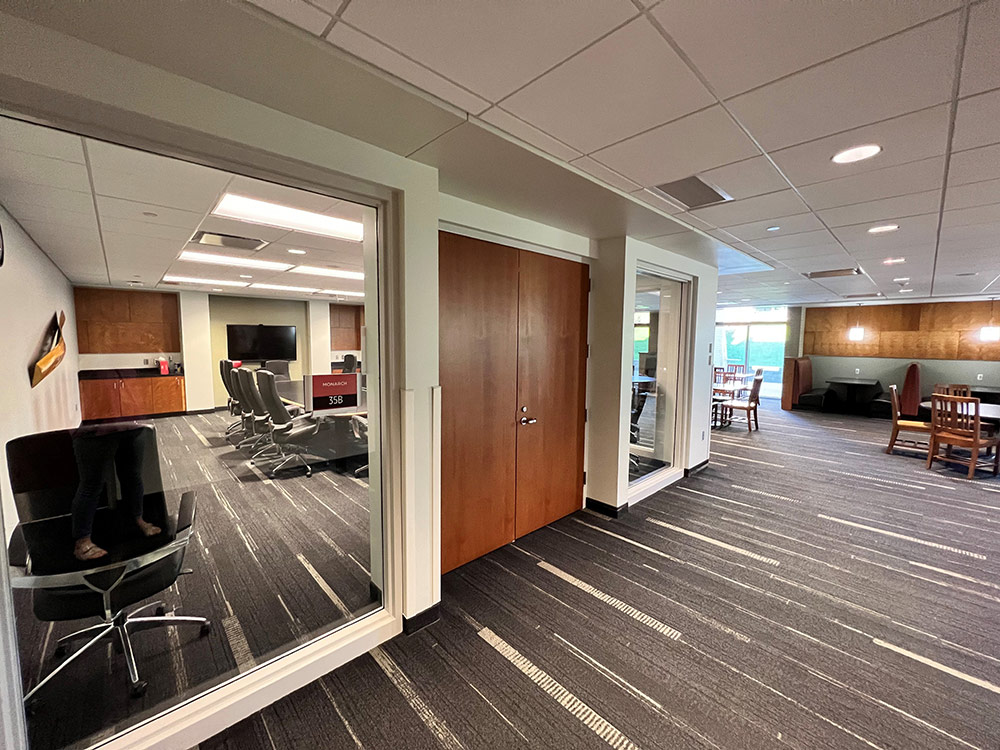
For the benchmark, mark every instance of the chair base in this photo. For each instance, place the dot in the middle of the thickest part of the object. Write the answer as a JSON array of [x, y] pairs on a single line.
[[122, 626]]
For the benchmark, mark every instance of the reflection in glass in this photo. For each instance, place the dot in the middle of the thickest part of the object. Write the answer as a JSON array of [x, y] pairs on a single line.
[[655, 360], [208, 513]]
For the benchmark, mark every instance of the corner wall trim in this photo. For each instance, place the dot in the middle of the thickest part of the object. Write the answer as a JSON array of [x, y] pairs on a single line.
[[696, 469], [606, 510], [420, 621]]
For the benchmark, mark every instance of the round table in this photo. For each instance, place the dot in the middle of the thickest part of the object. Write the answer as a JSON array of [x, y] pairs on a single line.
[[987, 412]]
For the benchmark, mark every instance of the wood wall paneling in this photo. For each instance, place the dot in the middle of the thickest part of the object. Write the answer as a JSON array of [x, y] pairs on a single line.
[[932, 330], [117, 321], [345, 327]]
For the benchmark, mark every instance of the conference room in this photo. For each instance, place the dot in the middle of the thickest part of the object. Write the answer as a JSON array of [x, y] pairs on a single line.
[[192, 479]]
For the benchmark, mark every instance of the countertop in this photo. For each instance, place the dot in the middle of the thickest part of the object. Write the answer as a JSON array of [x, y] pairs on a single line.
[[141, 372]]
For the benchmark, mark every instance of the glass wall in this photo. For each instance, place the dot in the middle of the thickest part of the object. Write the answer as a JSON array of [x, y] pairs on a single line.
[[656, 331], [754, 337], [191, 475]]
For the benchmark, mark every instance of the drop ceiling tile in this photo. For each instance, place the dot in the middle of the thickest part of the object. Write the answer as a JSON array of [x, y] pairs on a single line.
[[298, 13], [755, 230], [725, 40], [19, 196], [275, 193], [75, 250], [371, 50], [16, 135], [782, 240], [119, 208], [816, 251], [598, 170], [915, 70], [733, 213], [529, 134], [976, 121], [966, 216], [315, 242], [179, 235], [20, 166], [885, 210], [972, 194], [974, 165], [679, 149], [85, 219], [745, 179], [628, 82], [657, 201], [913, 229], [918, 176], [469, 41], [981, 64], [903, 139]]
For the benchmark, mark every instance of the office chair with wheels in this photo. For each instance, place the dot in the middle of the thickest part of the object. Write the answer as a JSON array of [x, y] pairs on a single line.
[[259, 421], [44, 475], [233, 403], [350, 363], [291, 434], [359, 426], [279, 367]]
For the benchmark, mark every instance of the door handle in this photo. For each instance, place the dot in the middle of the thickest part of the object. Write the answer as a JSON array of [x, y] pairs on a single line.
[[528, 420]]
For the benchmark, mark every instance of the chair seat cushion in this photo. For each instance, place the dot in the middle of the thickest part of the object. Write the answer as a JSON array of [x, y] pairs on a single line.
[[736, 404]]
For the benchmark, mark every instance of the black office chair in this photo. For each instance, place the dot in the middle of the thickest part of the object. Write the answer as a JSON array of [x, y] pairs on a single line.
[[350, 363], [279, 367], [44, 477], [233, 404], [291, 434], [256, 419]]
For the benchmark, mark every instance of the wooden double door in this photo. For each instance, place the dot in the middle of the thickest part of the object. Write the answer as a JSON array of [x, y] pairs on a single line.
[[513, 360]]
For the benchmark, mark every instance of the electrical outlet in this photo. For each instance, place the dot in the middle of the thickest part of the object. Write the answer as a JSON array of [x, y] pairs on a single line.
[[979, 376], [146, 361], [857, 370]]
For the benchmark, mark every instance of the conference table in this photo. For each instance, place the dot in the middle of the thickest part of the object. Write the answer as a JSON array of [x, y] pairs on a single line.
[[987, 412]]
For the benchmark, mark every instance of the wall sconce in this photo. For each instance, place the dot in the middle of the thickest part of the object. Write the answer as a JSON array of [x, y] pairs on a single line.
[[989, 333], [857, 333]]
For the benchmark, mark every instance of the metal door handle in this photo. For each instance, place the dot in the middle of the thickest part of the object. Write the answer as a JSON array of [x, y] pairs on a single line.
[[528, 420]]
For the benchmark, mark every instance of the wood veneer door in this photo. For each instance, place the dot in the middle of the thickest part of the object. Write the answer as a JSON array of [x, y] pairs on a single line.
[[99, 399], [478, 300], [167, 394], [136, 396], [551, 385]]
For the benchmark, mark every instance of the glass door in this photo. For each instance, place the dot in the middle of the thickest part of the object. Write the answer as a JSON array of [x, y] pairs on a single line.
[[765, 350]]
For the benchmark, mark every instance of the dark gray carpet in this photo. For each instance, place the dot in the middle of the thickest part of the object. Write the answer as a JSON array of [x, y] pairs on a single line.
[[805, 591], [273, 563]]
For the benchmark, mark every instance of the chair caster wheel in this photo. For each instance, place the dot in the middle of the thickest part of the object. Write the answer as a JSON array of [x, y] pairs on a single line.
[[61, 650], [139, 689], [161, 611], [205, 629], [309, 472]]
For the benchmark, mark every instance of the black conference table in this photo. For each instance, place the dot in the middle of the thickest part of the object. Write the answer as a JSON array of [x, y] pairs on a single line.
[[856, 393]]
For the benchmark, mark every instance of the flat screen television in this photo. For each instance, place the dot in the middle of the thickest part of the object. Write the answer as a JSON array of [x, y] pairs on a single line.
[[260, 342]]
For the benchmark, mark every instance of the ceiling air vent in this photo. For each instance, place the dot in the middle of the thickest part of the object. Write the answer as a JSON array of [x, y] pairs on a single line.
[[832, 273], [229, 241], [862, 296], [691, 192]]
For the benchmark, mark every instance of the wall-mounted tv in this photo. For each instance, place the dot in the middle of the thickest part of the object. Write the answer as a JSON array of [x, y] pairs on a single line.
[[260, 342]]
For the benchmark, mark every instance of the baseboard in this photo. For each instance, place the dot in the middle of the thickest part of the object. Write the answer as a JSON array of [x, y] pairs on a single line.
[[606, 510], [420, 621], [696, 469]]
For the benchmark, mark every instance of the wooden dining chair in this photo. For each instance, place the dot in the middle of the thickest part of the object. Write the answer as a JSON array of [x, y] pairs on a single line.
[[955, 423], [718, 374], [954, 390], [904, 425], [750, 404]]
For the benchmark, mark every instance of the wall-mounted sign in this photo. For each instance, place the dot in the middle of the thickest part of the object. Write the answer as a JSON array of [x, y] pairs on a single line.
[[337, 393]]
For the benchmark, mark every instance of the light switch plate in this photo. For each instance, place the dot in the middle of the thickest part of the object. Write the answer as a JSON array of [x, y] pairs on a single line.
[[857, 370], [979, 376]]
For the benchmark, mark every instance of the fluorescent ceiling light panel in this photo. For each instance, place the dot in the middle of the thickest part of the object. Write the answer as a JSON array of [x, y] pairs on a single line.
[[343, 293], [906, 291], [230, 260], [773, 229], [283, 288], [209, 282], [296, 252], [335, 273], [893, 261], [902, 279], [989, 333], [883, 229], [857, 153], [254, 211], [857, 333]]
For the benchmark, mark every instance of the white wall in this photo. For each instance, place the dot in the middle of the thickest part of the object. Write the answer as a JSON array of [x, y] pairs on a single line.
[[32, 289], [200, 372], [318, 323]]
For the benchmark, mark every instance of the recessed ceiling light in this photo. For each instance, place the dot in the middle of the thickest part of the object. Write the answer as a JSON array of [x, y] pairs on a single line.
[[150, 213], [856, 153], [745, 299], [255, 211], [296, 252], [787, 283], [230, 260], [193, 280], [902, 279], [336, 273], [344, 294], [968, 273], [773, 229], [883, 229], [905, 291], [283, 288], [245, 276], [217, 289], [893, 261]]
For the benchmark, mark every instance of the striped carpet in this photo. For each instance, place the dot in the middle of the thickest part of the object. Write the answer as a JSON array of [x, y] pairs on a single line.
[[804, 591], [273, 563]]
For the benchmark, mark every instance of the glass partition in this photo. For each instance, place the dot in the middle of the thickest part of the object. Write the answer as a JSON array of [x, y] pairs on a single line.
[[655, 369], [191, 476]]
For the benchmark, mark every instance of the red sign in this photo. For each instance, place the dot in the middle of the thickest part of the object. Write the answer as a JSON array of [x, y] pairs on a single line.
[[334, 391]]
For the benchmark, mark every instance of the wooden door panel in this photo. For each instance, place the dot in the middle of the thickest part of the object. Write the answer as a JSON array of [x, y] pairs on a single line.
[[167, 394], [99, 399], [136, 396], [478, 291], [551, 383]]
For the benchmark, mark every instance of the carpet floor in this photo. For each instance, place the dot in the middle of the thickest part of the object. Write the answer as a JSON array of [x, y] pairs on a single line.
[[273, 562], [806, 590]]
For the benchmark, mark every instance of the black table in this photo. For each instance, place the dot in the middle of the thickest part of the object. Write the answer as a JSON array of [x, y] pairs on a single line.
[[987, 412], [857, 393], [988, 394]]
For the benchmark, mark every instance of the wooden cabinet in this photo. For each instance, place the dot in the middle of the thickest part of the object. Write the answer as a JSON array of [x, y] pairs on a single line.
[[131, 397]]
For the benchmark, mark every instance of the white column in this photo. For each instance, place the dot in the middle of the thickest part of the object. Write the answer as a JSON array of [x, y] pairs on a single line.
[[196, 351], [318, 318]]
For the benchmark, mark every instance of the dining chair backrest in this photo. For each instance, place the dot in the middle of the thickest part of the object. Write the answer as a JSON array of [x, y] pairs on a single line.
[[718, 374], [896, 408], [739, 369], [954, 390], [755, 388], [958, 415]]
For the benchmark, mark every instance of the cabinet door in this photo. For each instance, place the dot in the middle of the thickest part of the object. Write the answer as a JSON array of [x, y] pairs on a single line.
[[136, 396], [168, 394], [99, 399]]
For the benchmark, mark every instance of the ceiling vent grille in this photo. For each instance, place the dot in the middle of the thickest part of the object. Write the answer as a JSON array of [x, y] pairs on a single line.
[[229, 241], [833, 273], [863, 296], [691, 192]]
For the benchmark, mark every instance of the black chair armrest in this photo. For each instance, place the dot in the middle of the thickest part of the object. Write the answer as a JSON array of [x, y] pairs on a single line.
[[17, 550], [185, 514]]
